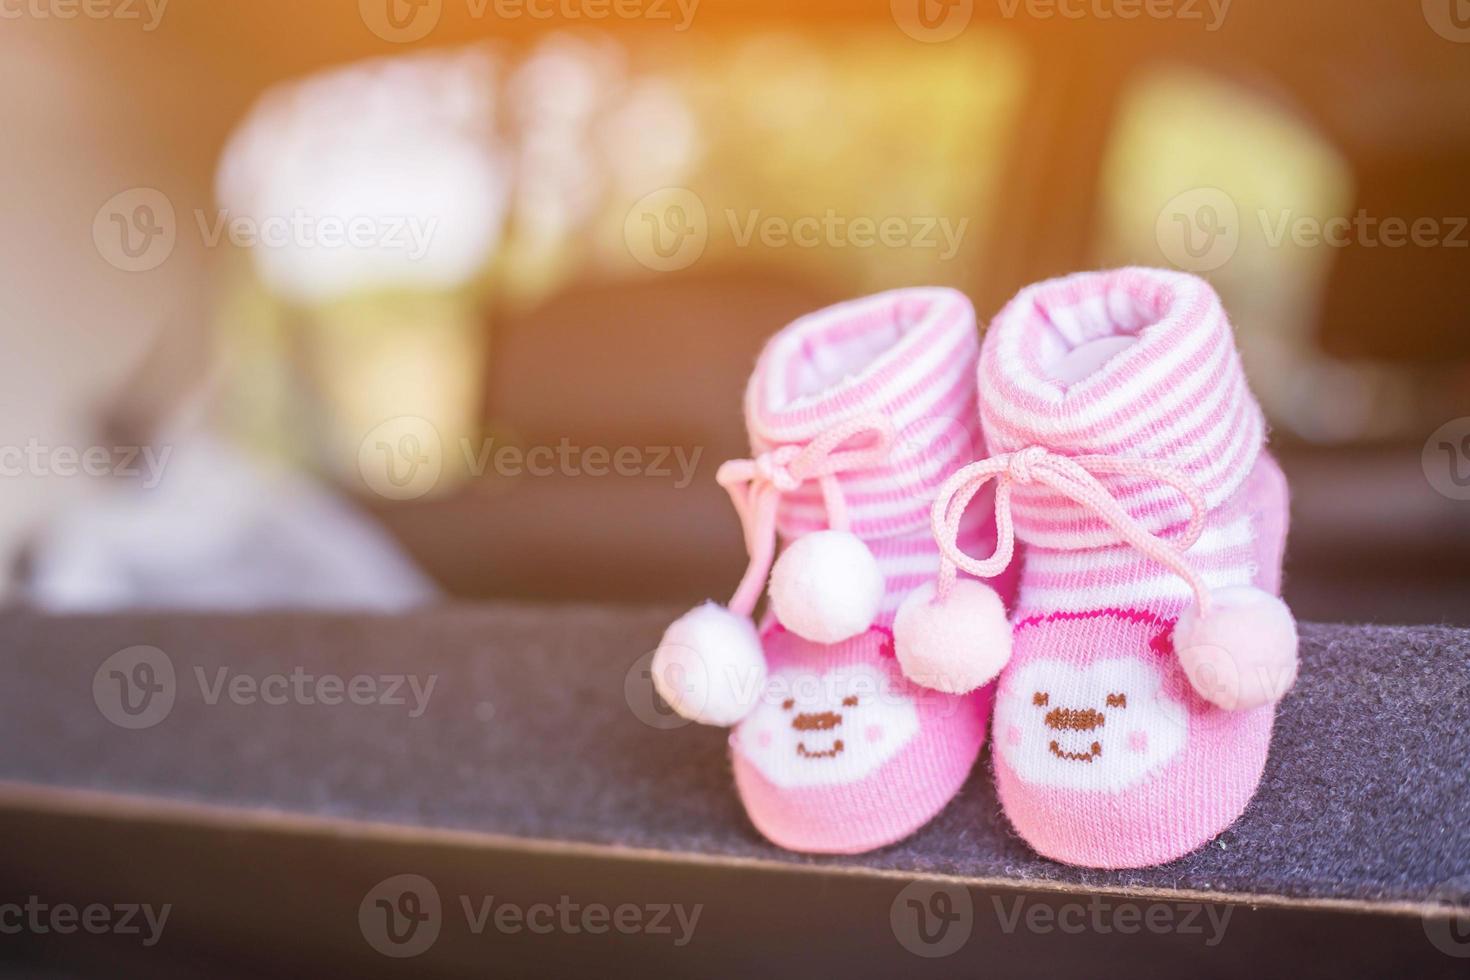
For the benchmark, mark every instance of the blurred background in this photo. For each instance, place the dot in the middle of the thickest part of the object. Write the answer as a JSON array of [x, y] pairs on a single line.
[[377, 303]]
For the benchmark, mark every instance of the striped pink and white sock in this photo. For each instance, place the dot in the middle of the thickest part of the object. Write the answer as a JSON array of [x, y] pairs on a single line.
[[857, 414], [908, 355], [1175, 394], [1134, 715]]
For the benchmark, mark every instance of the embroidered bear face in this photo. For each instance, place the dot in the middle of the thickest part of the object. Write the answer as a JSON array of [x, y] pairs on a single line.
[[822, 729], [1106, 726]]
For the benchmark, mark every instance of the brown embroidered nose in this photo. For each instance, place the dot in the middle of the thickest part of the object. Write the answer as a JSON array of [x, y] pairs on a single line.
[[816, 721], [1068, 719]]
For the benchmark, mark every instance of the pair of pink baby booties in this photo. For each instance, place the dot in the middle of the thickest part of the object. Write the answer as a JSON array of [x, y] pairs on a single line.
[[1126, 660]]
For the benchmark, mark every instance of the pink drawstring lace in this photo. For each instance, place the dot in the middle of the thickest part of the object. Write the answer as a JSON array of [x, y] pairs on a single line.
[[756, 486], [1074, 477]]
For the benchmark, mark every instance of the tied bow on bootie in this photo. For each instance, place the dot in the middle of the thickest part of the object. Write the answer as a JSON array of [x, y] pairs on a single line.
[[825, 587], [952, 634]]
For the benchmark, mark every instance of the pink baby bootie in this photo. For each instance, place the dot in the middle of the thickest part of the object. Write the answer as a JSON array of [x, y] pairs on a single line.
[[857, 414], [1133, 718]]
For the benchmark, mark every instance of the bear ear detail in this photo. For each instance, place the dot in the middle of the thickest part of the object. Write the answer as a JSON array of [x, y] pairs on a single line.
[[1240, 650]]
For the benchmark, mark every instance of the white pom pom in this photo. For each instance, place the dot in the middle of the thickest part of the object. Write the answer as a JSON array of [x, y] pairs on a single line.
[[826, 587], [956, 645], [709, 666], [1243, 654]]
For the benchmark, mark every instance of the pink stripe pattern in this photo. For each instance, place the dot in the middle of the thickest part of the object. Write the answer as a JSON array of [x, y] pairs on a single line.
[[908, 356], [857, 414], [1176, 395], [1130, 460]]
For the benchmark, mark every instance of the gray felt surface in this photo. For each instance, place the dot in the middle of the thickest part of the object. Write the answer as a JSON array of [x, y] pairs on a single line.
[[539, 725]]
